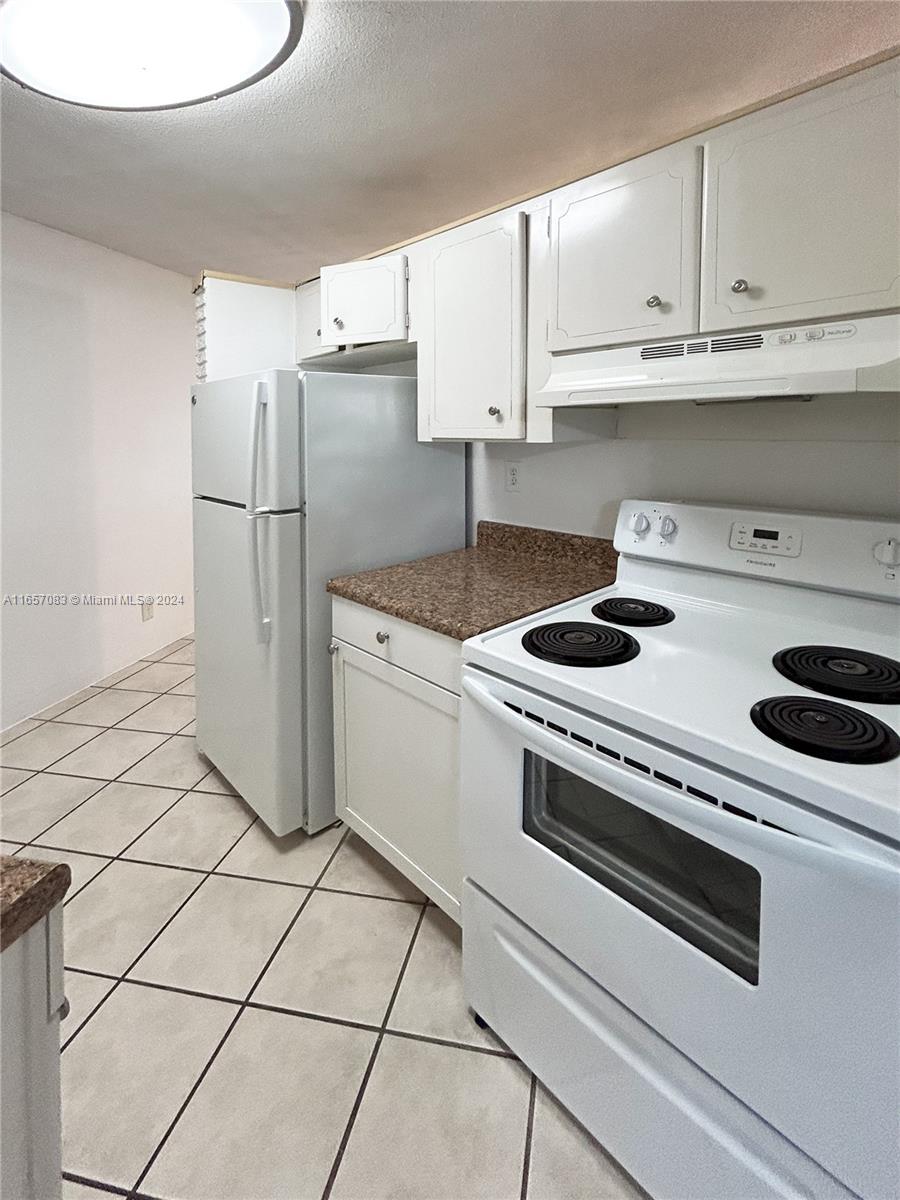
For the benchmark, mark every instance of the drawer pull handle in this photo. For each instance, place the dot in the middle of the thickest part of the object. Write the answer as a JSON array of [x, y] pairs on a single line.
[[381, 638]]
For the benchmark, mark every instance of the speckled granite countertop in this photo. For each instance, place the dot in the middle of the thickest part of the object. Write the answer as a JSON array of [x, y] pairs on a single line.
[[512, 571], [28, 890]]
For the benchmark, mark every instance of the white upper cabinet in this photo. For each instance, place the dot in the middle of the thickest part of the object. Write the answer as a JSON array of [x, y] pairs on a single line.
[[802, 208], [625, 252], [308, 321], [365, 301], [470, 319]]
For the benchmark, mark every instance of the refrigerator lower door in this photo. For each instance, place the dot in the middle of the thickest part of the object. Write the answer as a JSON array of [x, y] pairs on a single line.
[[245, 440], [248, 584]]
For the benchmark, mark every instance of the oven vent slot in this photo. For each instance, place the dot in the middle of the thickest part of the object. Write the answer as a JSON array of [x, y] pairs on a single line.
[[698, 347], [696, 792], [738, 812], [609, 753], [702, 795], [747, 341], [670, 350], [639, 766]]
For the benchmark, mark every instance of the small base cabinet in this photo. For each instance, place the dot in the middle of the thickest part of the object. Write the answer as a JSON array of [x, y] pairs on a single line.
[[32, 1001], [396, 743]]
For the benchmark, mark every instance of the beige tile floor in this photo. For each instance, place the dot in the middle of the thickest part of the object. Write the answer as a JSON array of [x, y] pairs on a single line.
[[253, 1018]]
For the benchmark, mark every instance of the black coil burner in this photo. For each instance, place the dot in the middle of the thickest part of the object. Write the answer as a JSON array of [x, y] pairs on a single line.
[[839, 671], [578, 644], [824, 729], [626, 610]]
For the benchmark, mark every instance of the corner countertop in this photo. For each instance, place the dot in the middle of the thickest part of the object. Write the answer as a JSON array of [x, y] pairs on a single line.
[[28, 891], [511, 572]]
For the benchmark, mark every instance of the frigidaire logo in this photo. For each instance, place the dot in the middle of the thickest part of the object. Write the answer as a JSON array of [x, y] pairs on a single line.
[[761, 562]]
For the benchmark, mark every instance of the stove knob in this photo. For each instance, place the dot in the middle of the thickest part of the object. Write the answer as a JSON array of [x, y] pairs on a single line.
[[888, 552], [668, 527], [640, 523]]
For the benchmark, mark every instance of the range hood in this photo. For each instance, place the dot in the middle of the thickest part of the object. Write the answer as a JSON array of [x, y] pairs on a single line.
[[861, 355]]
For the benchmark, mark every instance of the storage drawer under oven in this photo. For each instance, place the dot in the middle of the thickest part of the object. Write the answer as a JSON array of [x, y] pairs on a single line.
[[749, 933], [674, 1128]]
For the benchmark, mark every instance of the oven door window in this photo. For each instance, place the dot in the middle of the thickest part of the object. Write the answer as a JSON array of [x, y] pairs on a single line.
[[706, 896]]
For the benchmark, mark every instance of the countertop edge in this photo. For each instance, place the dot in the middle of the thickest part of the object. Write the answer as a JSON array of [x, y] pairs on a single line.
[[34, 899]]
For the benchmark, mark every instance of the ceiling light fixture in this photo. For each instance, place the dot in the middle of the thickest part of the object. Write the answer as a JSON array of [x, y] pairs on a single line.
[[144, 54]]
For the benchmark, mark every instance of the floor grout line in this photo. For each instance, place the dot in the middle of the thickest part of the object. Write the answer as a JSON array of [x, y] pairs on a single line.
[[241, 1009], [529, 1136], [302, 1014], [370, 1066]]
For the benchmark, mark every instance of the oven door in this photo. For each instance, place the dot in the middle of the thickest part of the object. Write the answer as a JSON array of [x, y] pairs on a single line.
[[759, 939]]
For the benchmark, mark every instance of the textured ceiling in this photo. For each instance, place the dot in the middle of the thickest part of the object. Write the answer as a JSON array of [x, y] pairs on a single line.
[[393, 118]]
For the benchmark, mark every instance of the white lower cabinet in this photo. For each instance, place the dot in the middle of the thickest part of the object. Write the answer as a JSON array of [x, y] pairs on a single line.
[[396, 741], [32, 997]]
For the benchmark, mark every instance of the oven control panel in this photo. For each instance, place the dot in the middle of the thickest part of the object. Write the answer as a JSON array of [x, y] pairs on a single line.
[[771, 538], [855, 555]]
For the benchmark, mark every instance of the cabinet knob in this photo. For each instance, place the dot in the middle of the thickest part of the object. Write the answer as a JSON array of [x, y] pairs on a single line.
[[318, 333], [338, 323], [381, 638], [493, 411], [332, 647], [653, 302], [740, 285]]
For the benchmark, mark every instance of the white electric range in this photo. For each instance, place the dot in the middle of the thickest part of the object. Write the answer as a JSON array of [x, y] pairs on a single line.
[[681, 841]]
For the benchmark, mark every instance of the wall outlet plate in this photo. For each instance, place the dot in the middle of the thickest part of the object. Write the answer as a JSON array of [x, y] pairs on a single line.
[[513, 476], [147, 611]]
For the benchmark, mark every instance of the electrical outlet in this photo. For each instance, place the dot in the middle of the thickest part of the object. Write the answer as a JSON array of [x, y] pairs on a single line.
[[513, 476], [147, 610]]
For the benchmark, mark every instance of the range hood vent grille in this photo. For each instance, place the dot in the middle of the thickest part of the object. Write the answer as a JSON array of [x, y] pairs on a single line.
[[672, 350], [747, 341]]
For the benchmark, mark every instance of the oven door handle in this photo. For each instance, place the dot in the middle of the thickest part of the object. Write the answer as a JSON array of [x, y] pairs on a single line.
[[666, 803]]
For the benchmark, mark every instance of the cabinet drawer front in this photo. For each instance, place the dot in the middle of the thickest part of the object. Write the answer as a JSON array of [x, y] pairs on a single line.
[[803, 206], [425, 653], [625, 253]]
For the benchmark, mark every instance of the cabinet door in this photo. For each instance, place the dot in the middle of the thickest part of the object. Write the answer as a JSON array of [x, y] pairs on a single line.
[[471, 331], [365, 301], [307, 321], [396, 744], [625, 253], [802, 207]]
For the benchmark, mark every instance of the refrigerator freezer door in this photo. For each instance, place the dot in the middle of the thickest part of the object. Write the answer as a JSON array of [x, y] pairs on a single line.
[[247, 430], [249, 661]]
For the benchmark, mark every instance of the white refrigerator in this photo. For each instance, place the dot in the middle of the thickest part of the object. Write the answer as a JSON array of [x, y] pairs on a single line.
[[298, 477]]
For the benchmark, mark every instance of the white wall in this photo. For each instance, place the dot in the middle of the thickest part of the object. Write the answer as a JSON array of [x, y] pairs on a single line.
[[97, 363], [833, 455]]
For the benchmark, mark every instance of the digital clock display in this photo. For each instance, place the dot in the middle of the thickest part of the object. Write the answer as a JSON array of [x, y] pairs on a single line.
[[767, 535]]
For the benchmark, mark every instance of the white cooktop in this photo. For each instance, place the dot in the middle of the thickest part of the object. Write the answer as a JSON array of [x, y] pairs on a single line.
[[695, 680]]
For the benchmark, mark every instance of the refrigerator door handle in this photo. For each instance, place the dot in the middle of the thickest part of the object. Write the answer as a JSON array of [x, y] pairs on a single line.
[[260, 400], [262, 623]]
